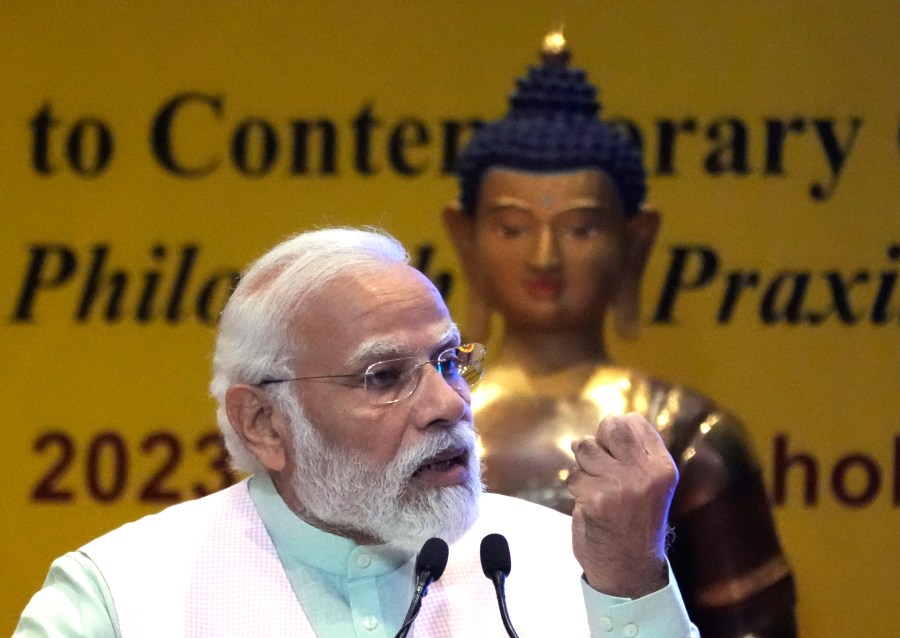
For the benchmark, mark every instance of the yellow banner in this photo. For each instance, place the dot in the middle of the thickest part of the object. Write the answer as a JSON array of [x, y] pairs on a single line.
[[147, 153]]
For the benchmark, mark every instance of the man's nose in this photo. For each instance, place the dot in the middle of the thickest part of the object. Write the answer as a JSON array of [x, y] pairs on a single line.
[[440, 401]]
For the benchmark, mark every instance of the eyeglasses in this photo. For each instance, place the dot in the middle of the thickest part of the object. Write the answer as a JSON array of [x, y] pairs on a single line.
[[390, 381]]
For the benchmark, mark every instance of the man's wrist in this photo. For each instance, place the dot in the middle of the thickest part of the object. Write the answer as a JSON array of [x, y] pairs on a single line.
[[630, 581]]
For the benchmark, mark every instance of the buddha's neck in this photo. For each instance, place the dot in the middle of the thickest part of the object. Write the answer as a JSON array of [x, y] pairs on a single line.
[[546, 352]]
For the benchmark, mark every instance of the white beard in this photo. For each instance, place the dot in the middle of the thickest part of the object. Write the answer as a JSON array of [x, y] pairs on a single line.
[[349, 495]]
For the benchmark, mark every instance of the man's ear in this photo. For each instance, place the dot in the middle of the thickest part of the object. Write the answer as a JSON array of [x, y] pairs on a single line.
[[640, 233], [461, 229], [251, 414]]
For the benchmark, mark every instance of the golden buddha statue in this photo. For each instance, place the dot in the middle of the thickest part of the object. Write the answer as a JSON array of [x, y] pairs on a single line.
[[551, 235]]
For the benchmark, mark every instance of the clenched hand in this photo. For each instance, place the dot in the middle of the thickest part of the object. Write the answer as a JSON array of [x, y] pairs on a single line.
[[622, 487]]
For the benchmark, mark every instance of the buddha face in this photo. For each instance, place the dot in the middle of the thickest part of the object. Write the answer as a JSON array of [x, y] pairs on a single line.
[[549, 250]]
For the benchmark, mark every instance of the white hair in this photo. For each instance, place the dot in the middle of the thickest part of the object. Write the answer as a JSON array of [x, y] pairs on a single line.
[[254, 341]]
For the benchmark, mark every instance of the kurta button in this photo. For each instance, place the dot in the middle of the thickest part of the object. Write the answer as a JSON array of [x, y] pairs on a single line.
[[363, 561], [605, 623], [629, 630], [370, 622]]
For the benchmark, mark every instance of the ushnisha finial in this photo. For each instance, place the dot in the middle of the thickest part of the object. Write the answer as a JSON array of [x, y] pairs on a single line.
[[554, 50]]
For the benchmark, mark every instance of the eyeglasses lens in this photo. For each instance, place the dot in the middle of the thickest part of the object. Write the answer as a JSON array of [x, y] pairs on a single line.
[[391, 381]]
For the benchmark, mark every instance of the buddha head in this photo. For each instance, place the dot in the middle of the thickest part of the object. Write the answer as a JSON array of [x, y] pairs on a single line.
[[549, 227]]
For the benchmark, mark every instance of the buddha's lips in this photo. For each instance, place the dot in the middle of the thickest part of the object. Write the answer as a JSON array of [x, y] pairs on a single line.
[[544, 287]]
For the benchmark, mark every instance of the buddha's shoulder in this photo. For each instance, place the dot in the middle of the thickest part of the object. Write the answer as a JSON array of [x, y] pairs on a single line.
[[691, 423], [711, 446]]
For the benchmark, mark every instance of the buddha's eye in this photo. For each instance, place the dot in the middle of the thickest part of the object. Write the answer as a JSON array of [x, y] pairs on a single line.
[[512, 224], [582, 231], [581, 224], [512, 231]]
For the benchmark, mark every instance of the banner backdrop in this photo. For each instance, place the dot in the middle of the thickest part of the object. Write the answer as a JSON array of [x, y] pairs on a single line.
[[148, 152]]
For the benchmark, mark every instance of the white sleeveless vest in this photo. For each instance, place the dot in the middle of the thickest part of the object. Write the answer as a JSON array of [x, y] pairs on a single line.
[[208, 569]]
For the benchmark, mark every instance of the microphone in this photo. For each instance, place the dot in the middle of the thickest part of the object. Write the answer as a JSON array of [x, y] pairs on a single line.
[[430, 564], [495, 562]]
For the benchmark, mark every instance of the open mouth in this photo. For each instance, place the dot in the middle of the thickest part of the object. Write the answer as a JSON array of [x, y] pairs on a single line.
[[444, 462]]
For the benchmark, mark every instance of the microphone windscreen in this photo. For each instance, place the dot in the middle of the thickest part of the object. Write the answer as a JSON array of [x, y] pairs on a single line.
[[495, 555], [433, 557]]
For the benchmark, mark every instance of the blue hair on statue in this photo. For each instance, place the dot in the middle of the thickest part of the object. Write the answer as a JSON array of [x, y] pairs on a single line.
[[552, 126]]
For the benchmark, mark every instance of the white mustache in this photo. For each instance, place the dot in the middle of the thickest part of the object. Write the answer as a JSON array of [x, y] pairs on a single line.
[[460, 435]]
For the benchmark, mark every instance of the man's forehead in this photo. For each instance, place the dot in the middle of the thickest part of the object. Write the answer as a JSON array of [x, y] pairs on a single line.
[[380, 314], [366, 290]]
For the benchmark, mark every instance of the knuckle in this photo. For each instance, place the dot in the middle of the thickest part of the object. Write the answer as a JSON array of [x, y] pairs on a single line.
[[585, 448], [611, 422], [621, 434]]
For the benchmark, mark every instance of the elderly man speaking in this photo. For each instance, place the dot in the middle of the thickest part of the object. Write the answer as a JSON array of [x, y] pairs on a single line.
[[343, 389]]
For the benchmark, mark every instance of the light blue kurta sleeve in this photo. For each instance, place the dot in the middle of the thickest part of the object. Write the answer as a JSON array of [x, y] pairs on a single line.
[[74, 602], [657, 615]]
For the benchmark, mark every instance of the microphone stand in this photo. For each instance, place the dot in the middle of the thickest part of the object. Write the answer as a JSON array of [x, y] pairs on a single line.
[[423, 580], [499, 578], [430, 564]]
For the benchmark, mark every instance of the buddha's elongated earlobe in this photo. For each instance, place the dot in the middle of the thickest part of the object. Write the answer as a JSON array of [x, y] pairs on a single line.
[[461, 230], [641, 231], [478, 316]]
